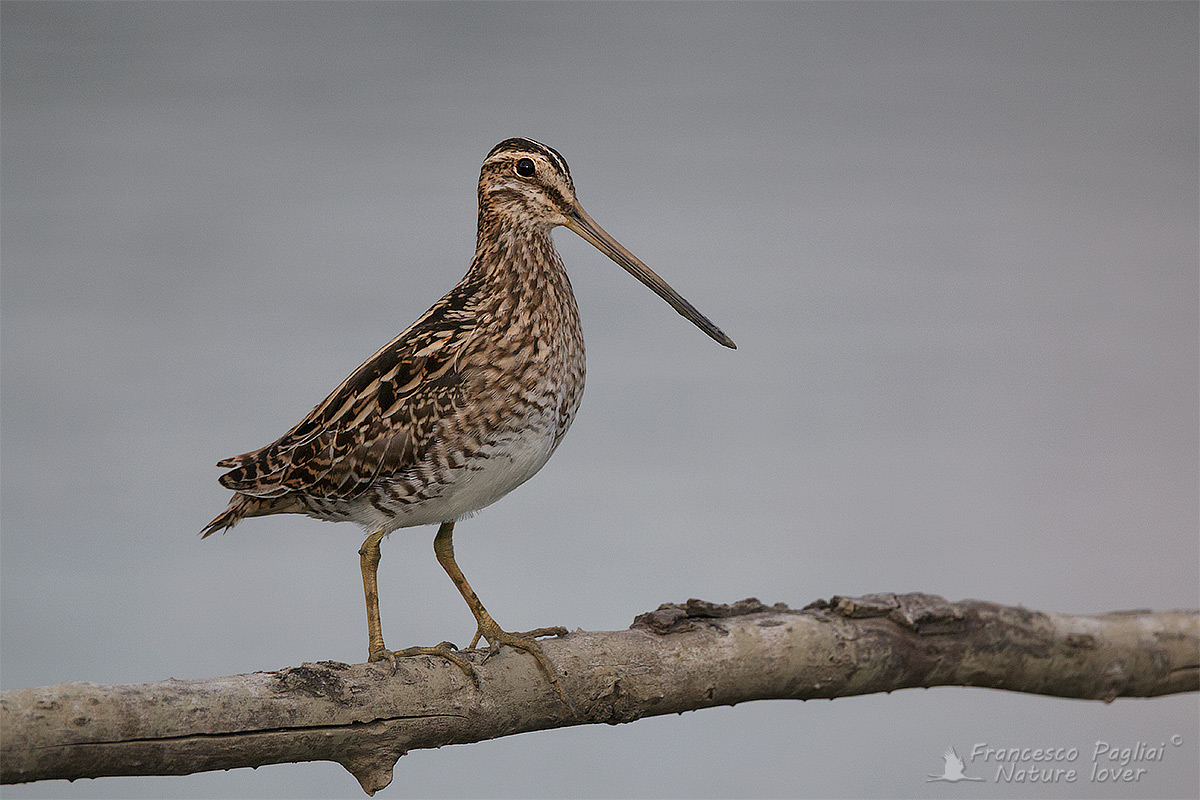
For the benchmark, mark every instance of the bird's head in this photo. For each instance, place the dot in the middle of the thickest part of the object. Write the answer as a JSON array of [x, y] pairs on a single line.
[[527, 184]]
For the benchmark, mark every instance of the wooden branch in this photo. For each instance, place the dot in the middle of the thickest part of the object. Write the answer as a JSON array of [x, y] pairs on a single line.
[[675, 659]]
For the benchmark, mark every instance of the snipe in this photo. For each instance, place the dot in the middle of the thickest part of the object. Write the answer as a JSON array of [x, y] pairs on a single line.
[[463, 406]]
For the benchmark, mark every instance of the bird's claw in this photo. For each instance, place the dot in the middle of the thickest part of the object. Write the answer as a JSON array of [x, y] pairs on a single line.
[[494, 642], [526, 641], [446, 650]]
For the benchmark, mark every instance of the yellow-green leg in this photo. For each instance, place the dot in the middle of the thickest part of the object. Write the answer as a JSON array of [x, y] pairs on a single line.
[[369, 559], [443, 548]]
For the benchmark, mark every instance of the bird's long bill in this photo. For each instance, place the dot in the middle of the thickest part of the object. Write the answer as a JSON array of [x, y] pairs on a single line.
[[585, 226]]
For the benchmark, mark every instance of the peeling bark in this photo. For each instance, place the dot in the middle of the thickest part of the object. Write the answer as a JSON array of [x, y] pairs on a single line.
[[677, 658]]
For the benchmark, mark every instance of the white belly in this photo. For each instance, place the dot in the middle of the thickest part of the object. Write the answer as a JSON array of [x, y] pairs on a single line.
[[485, 481], [467, 489]]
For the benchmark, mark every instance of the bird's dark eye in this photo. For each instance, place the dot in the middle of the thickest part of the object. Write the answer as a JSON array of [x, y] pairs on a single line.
[[525, 168]]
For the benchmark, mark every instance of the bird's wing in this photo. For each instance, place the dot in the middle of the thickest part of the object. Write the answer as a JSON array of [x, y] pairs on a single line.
[[953, 760], [379, 421]]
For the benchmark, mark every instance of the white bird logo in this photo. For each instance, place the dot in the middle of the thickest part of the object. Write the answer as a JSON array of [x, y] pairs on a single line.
[[952, 770]]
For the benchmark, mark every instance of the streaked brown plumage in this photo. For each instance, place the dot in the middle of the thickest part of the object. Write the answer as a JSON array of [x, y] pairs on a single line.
[[463, 406]]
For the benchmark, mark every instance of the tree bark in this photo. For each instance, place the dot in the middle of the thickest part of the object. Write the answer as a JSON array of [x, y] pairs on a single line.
[[678, 658]]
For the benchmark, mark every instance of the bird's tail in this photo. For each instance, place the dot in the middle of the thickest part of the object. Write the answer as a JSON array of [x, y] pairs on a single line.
[[240, 507], [226, 519]]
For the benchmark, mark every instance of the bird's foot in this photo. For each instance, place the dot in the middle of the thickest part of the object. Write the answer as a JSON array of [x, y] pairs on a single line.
[[446, 650], [497, 637], [527, 641]]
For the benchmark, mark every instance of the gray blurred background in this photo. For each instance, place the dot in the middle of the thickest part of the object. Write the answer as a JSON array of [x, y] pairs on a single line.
[[955, 243]]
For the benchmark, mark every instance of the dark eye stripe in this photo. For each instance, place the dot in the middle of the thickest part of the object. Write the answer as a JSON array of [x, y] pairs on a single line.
[[529, 145]]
